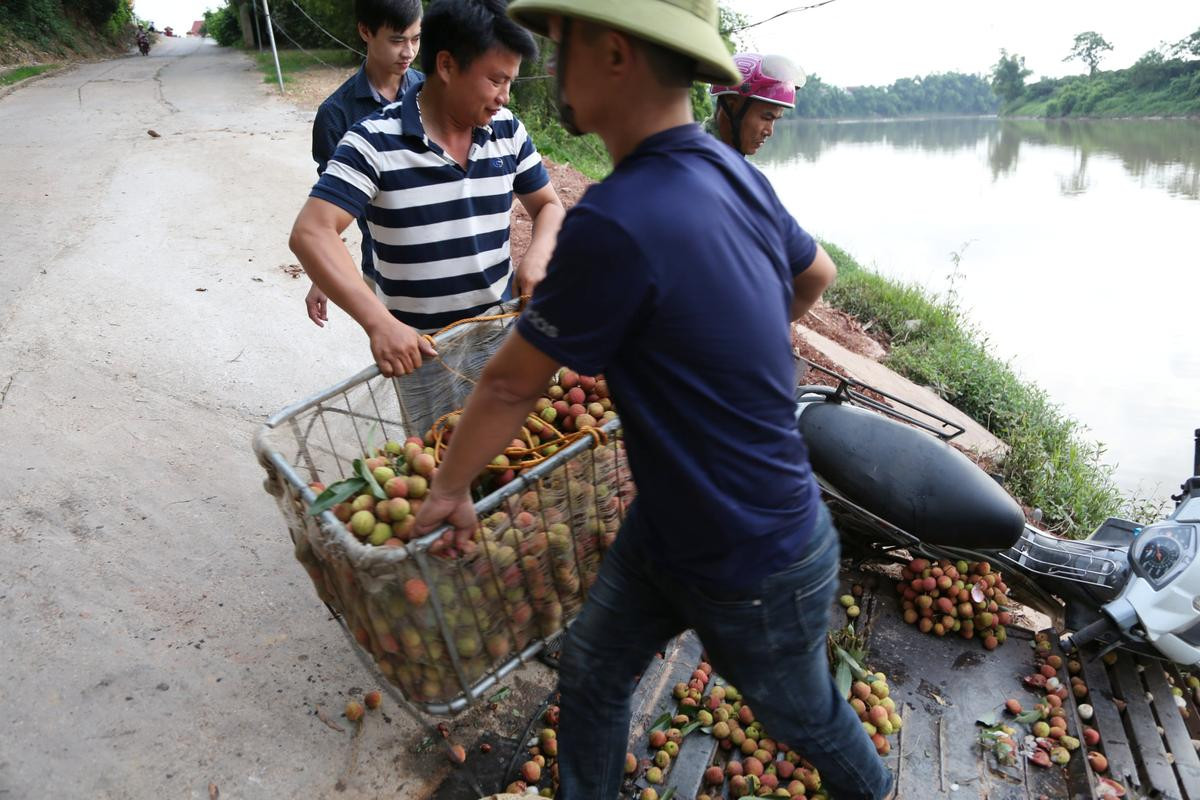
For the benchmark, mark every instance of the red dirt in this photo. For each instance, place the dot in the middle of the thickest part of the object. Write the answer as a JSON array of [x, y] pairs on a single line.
[[570, 184]]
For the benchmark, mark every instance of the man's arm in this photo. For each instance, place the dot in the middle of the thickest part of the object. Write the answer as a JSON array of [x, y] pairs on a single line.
[[546, 210], [808, 285], [328, 128], [316, 241], [511, 383]]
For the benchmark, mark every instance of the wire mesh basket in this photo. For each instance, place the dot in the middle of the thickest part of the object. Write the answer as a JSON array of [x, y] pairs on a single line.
[[446, 630]]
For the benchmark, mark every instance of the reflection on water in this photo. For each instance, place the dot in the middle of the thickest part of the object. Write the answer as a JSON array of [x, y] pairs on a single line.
[[1166, 153], [1081, 266]]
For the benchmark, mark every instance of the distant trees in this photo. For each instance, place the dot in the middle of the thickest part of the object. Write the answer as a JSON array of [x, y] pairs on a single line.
[[1008, 76], [944, 93], [1187, 46], [1089, 48], [1165, 81]]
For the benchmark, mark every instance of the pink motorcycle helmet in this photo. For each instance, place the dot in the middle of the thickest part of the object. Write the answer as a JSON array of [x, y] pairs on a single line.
[[771, 78]]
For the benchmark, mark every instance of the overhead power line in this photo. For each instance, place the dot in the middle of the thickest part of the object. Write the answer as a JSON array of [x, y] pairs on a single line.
[[317, 25], [781, 14]]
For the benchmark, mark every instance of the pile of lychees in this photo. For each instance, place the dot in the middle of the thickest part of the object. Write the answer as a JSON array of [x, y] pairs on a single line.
[[949, 597]]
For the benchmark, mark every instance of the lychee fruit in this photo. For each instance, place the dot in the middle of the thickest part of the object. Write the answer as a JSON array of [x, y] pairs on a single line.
[[373, 699], [657, 739], [631, 763], [1097, 761], [654, 775], [354, 711], [713, 776], [531, 772]]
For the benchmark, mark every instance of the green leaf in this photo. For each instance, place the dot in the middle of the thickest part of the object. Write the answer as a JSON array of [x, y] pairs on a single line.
[[662, 723], [360, 467], [1028, 717], [849, 661], [686, 729], [843, 679], [669, 793], [336, 493], [500, 695]]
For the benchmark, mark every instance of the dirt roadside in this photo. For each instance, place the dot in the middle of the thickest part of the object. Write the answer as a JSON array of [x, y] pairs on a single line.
[[156, 634]]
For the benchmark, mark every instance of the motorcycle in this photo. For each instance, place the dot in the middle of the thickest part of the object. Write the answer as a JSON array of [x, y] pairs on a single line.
[[143, 44], [893, 480]]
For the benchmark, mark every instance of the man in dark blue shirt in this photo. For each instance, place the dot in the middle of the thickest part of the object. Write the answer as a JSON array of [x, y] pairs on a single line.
[[678, 276], [391, 31]]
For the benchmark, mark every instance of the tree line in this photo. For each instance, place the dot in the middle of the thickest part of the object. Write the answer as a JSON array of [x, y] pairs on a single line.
[[942, 93], [1164, 81]]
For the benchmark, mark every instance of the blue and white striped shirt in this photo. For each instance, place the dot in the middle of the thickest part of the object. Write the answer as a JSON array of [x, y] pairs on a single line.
[[440, 232]]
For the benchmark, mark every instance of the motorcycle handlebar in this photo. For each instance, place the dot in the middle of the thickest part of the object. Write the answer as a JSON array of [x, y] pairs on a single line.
[[1086, 634], [1196, 455]]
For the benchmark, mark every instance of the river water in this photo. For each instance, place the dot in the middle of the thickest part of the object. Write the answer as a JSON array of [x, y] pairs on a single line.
[[1077, 245]]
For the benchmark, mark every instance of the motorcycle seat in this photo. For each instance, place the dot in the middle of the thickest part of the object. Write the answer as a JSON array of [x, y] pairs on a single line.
[[909, 478]]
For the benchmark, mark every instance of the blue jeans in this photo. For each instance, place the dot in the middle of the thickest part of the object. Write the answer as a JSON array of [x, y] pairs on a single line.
[[769, 643]]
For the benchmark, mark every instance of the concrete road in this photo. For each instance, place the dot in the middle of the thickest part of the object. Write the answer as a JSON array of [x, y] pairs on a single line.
[[156, 634]]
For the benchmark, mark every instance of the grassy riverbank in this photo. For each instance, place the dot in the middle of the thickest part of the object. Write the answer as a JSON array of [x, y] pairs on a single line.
[[1052, 465]]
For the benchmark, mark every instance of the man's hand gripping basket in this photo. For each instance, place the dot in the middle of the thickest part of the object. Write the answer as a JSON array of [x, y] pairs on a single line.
[[443, 629]]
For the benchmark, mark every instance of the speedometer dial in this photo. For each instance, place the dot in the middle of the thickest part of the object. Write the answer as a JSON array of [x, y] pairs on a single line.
[[1158, 556]]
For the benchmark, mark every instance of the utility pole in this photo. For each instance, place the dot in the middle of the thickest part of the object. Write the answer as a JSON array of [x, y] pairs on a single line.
[[274, 50], [257, 26]]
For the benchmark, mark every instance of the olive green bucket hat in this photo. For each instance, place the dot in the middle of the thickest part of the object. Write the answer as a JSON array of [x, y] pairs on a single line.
[[683, 26]]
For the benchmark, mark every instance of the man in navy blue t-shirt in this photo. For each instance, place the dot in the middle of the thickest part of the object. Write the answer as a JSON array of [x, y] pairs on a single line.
[[391, 32], [678, 277]]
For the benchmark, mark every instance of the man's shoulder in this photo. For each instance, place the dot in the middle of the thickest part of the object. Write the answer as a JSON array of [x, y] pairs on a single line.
[[337, 99], [381, 125], [506, 125]]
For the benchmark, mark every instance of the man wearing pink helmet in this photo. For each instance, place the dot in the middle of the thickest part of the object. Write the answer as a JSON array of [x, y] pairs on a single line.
[[746, 113]]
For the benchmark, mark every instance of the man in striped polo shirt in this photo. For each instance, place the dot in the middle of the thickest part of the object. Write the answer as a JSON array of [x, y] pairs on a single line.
[[435, 175]]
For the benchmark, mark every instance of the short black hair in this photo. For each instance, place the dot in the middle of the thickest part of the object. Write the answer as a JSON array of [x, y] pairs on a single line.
[[469, 28], [398, 14]]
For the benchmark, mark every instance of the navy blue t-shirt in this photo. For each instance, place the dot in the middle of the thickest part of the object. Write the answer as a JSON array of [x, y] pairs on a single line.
[[674, 278]]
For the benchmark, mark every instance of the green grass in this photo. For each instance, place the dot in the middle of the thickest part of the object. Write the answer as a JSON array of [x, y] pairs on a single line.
[[293, 61], [585, 153], [1051, 464], [11, 76]]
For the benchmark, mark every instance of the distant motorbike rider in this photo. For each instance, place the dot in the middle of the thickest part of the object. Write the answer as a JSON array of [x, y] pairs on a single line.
[[143, 40]]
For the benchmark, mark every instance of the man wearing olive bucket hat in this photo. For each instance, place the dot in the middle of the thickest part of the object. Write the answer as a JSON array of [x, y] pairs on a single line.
[[677, 276]]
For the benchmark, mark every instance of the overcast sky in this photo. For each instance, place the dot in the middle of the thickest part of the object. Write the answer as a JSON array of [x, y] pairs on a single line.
[[858, 42], [855, 42]]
